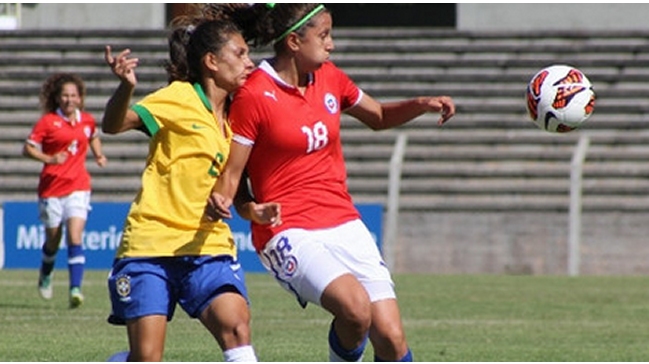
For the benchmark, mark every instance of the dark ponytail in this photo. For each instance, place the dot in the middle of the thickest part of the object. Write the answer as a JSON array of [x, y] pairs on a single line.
[[206, 29], [177, 67]]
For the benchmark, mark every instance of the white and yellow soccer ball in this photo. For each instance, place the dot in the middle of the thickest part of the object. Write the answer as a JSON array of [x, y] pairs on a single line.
[[560, 98]]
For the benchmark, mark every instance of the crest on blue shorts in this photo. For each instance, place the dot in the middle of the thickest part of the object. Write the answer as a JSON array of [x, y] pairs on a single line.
[[123, 286]]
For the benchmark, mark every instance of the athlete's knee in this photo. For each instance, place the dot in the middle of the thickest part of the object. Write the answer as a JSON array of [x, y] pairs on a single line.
[[240, 333], [233, 336], [391, 335], [358, 315], [347, 300], [352, 320], [389, 342], [228, 319]]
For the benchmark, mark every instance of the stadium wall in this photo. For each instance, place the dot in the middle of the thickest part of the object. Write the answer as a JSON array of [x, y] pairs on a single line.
[[93, 16], [552, 16], [527, 243], [469, 16]]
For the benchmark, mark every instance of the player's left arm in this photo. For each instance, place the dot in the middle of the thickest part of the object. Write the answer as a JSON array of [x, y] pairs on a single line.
[[225, 188], [379, 116], [96, 148]]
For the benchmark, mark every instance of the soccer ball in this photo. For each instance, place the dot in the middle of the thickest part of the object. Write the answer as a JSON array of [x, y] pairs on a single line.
[[560, 98]]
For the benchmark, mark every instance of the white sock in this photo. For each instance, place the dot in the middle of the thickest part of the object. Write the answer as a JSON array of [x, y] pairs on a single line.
[[242, 353]]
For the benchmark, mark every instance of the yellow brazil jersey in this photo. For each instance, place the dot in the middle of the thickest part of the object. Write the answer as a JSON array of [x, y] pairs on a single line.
[[187, 152]]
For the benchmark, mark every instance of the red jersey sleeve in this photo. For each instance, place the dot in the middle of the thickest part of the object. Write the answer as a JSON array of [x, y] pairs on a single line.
[[89, 121], [38, 133], [350, 94], [245, 117]]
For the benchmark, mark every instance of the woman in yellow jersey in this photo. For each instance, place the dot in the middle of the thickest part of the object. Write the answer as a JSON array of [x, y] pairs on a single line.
[[170, 253]]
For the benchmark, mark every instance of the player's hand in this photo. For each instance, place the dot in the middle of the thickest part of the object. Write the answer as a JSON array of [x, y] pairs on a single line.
[[122, 66], [269, 213], [58, 158], [218, 207], [444, 105], [101, 160]]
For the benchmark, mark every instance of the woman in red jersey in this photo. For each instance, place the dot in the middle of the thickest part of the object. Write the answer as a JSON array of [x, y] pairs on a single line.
[[60, 140], [286, 125]]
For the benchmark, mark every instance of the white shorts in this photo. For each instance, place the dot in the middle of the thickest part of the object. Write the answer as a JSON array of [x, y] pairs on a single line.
[[305, 262], [54, 210]]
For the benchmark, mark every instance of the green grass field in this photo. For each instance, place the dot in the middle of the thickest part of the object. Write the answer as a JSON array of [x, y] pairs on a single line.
[[447, 318]]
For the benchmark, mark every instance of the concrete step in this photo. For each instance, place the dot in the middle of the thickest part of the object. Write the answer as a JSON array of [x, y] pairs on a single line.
[[521, 203], [490, 157], [464, 170], [541, 186]]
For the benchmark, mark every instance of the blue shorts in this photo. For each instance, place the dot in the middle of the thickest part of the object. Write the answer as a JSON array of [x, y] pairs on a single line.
[[153, 286]]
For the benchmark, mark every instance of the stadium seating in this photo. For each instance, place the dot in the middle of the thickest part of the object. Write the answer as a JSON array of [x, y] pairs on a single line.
[[490, 157]]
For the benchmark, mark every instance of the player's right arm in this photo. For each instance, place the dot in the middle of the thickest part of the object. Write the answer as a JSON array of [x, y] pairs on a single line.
[[33, 147], [249, 209], [31, 151], [117, 115]]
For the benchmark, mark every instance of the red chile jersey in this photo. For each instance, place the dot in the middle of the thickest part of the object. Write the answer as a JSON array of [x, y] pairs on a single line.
[[296, 157], [54, 133]]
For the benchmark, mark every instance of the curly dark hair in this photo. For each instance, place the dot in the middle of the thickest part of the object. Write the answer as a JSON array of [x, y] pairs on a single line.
[[53, 86]]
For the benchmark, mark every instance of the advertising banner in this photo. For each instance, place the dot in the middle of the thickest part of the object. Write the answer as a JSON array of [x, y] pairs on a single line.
[[24, 235]]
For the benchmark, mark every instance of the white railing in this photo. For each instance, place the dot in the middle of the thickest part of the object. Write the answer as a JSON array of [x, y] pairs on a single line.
[[574, 223], [394, 187]]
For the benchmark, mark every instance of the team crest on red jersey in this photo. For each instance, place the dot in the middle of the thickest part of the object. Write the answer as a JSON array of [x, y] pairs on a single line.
[[331, 103]]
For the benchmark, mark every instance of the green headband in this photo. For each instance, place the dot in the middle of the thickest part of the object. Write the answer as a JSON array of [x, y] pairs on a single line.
[[300, 23]]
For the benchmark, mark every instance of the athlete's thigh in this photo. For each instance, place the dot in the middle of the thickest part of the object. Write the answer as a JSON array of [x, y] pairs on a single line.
[[76, 204], [140, 287], [50, 211], [207, 277], [353, 245], [386, 331], [227, 318], [301, 264], [386, 317], [146, 337], [75, 227]]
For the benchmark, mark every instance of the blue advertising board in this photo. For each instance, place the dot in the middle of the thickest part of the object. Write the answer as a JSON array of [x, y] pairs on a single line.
[[24, 235]]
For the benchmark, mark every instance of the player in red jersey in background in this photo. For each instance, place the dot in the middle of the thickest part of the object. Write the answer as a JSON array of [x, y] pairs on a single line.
[[286, 125], [60, 140]]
